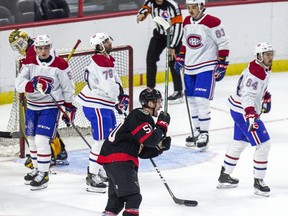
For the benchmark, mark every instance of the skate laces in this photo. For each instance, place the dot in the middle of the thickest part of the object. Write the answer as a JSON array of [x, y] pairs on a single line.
[[203, 137], [39, 176]]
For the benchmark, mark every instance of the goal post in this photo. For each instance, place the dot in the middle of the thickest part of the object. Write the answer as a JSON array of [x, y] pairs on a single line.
[[80, 59]]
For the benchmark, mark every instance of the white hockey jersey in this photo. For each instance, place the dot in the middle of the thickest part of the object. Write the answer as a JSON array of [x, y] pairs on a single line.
[[204, 40], [56, 72], [251, 88], [102, 89]]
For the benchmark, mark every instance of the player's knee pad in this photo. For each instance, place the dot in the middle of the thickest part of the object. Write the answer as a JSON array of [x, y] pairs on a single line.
[[262, 151], [32, 145], [114, 204], [203, 106], [42, 144], [133, 201], [192, 105], [236, 148], [96, 146]]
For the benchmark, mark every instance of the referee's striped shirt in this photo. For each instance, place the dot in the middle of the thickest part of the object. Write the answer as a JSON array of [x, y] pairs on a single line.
[[170, 11]]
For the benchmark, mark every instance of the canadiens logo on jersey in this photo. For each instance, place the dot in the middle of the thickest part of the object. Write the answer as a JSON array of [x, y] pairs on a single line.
[[194, 41]]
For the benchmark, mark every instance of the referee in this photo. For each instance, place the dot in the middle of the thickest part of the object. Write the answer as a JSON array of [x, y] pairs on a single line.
[[169, 10]]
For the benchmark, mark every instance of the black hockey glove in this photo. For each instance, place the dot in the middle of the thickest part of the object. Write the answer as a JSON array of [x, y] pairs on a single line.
[[164, 144], [163, 121]]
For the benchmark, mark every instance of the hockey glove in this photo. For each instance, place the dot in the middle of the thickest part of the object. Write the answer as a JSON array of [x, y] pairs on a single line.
[[252, 118], [70, 111], [179, 62], [163, 121], [164, 144], [124, 101], [220, 70], [266, 105]]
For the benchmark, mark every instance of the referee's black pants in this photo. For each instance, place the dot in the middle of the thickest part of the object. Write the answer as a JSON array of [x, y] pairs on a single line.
[[156, 46]]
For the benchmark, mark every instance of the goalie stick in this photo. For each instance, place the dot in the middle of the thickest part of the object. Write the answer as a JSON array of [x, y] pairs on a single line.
[[190, 203], [166, 25]]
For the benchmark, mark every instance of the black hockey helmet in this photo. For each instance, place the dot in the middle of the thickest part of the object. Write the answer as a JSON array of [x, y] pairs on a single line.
[[149, 94]]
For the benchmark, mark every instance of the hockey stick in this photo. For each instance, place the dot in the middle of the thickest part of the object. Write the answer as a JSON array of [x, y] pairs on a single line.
[[11, 135], [166, 25], [72, 123], [187, 106], [73, 50], [190, 203]]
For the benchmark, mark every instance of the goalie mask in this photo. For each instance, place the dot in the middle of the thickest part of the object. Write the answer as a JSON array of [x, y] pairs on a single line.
[[97, 41], [261, 48], [149, 95], [18, 40]]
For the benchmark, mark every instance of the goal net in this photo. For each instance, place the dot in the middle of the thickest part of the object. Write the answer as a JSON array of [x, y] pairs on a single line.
[[80, 59]]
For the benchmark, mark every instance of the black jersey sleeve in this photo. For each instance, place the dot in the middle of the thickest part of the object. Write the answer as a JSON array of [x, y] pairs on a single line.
[[142, 127]]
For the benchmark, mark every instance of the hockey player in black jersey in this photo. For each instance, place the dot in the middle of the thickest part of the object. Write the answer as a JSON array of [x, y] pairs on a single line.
[[138, 136]]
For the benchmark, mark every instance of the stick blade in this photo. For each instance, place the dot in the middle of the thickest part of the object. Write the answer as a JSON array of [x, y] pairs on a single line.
[[161, 21], [190, 203]]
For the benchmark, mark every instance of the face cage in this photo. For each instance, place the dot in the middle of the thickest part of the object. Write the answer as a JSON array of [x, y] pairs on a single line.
[[19, 44]]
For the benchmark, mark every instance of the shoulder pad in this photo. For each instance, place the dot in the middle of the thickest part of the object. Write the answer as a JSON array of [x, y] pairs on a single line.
[[210, 21], [257, 70]]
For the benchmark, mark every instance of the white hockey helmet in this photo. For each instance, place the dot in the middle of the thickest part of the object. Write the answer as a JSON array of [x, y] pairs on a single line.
[[199, 2], [261, 48], [42, 40], [99, 39]]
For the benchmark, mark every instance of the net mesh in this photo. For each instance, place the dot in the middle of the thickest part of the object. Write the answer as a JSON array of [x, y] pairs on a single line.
[[77, 63]]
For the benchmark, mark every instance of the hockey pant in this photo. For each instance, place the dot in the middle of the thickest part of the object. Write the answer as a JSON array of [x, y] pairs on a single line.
[[260, 158], [200, 112]]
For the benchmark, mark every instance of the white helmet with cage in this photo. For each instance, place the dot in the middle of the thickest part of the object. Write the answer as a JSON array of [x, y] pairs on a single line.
[[97, 40], [261, 48], [42, 40], [199, 2]]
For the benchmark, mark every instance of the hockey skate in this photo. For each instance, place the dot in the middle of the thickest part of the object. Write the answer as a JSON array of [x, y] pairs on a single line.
[[260, 188], [176, 98], [202, 141], [62, 158], [226, 181], [108, 213], [95, 183], [40, 181], [190, 140], [30, 176]]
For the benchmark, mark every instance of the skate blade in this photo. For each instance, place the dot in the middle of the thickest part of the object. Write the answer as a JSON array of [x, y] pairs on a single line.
[[27, 182], [226, 186], [177, 101], [203, 149], [261, 193], [41, 187], [62, 162], [96, 190], [190, 144]]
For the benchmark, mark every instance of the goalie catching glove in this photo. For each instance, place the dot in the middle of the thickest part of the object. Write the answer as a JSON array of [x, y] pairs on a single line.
[[70, 112], [124, 101], [252, 118], [163, 121], [164, 144]]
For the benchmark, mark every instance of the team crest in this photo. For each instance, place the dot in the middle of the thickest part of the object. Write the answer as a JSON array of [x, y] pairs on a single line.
[[194, 41]]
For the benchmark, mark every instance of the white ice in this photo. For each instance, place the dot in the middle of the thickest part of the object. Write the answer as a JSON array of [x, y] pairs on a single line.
[[193, 179]]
